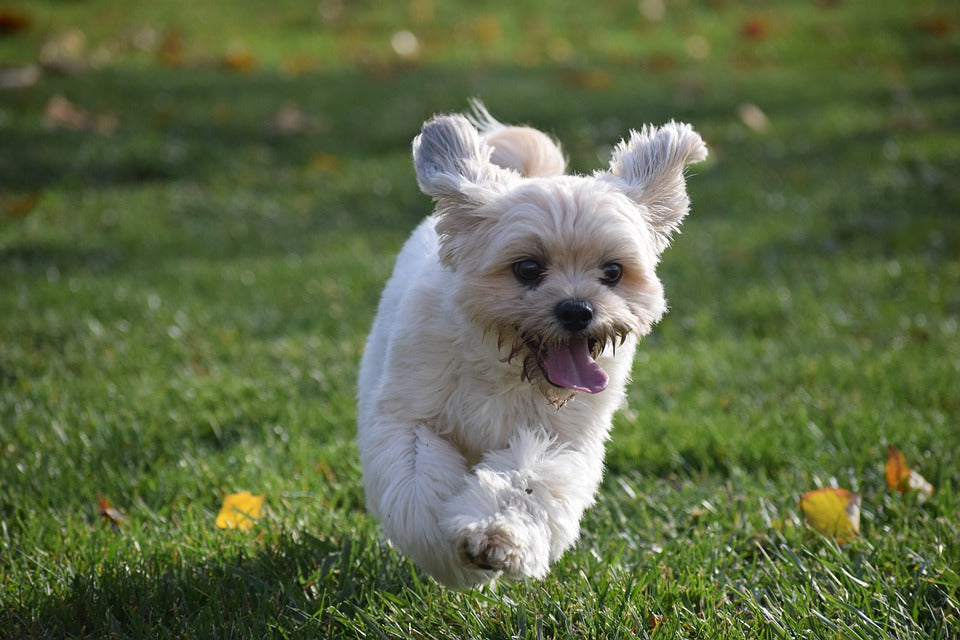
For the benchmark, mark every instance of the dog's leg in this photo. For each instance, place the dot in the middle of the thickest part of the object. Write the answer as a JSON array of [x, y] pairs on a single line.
[[410, 473], [521, 506]]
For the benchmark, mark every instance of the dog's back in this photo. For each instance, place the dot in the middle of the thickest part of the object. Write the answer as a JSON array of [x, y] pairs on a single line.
[[528, 151]]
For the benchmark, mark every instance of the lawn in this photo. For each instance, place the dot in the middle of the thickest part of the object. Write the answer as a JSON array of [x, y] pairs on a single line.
[[200, 202]]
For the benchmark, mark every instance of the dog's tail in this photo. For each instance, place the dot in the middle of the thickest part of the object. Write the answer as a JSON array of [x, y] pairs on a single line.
[[529, 152]]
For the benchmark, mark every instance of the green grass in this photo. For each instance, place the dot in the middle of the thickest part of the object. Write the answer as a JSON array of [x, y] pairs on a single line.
[[183, 303]]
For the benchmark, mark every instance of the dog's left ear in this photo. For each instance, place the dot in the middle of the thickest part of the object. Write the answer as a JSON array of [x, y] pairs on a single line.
[[453, 161], [453, 165], [648, 168]]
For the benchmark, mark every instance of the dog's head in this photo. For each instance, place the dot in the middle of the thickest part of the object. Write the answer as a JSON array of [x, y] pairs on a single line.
[[559, 268]]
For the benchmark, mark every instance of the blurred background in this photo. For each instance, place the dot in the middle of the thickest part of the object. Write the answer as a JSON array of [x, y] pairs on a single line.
[[226, 184]]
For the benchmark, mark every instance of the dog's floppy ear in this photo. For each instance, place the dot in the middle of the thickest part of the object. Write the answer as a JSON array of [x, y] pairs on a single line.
[[648, 167], [453, 161], [453, 165]]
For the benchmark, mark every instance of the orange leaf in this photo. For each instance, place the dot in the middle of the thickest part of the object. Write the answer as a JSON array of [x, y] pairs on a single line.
[[832, 512], [13, 22], [109, 513], [239, 60], [18, 205], [901, 477], [754, 28], [896, 468], [239, 510]]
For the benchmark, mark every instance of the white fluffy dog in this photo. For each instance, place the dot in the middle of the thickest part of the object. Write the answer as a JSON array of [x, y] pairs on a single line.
[[504, 340]]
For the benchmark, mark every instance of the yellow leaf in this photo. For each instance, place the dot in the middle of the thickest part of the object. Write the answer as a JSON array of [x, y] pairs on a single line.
[[901, 477], [832, 512], [323, 163], [239, 511], [593, 79]]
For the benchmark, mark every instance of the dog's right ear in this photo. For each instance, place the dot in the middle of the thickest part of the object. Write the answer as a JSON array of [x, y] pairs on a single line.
[[453, 161], [453, 165]]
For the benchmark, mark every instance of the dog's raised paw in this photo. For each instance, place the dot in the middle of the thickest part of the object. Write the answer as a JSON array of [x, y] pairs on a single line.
[[492, 548]]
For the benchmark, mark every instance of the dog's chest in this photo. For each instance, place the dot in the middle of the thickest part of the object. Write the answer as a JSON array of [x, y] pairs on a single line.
[[481, 422]]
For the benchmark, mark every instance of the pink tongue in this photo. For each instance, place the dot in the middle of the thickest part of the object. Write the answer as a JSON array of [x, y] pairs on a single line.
[[570, 365]]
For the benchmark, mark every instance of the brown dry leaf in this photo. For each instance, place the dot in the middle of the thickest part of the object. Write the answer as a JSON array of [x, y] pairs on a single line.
[[63, 114], [12, 22], [593, 79], [171, 50], [109, 513], [832, 512], [901, 477], [298, 64], [936, 25], [239, 510], [60, 113], [755, 28], [239, 58], [18, 205], [655, 622]]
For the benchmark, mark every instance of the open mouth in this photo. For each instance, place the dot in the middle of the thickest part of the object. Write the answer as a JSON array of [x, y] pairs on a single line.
[[569, 364]]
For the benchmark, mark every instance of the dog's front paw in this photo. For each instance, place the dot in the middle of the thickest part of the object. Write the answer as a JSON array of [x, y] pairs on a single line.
[[502, 546], [492, 548]]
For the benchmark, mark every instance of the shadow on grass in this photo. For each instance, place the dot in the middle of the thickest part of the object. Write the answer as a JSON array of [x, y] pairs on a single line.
[[307, 586]]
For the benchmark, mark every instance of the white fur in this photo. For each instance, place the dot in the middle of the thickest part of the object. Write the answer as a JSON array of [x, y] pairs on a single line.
[[476, 465]]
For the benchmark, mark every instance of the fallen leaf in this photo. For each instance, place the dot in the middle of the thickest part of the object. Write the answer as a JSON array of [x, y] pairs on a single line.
[[299, 64], [753, 116], [832, 512], [655, 621], [486, 29], [65, 52], [937, 25], [594, 79], [239, 510], [18, 205], [60, 113], [901, 477], [171, 50], [109, 513], [12, 22], [240, 60], [290, 119], [754, 28], [324, 163]]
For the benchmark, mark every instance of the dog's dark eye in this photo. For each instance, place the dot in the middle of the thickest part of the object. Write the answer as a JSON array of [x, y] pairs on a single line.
[[528, 271], [612, 272]]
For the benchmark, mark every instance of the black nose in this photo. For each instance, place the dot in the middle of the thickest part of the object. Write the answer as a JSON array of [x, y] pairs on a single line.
[[574, 315]]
